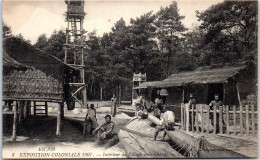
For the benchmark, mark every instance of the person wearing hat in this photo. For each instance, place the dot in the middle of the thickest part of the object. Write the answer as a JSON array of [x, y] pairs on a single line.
[[105, 131], [167, 122]]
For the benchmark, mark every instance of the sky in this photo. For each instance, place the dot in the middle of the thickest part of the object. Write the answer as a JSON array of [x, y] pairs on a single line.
[[33, 18]]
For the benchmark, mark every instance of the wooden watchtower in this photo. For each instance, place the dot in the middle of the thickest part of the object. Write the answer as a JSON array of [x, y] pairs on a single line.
[[74, 46]]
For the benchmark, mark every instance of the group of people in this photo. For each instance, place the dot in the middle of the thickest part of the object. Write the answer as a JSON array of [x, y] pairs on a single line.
[[160, 111], [216, 103], [104, 131]]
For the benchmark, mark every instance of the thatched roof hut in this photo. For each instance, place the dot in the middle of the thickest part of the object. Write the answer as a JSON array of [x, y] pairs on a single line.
[[31, 74]]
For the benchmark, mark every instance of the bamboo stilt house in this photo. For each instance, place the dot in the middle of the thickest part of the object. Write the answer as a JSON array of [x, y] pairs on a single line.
[[30, 74], [44, 78]]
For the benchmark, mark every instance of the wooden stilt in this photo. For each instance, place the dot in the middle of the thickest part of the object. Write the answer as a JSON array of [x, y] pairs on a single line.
[[25, 109], [46, 109], [59, 115], [20, 106], [14, 122]]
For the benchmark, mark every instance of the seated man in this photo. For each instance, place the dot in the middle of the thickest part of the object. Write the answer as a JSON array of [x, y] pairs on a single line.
[[105, 131], [167, 123], [91, 117]]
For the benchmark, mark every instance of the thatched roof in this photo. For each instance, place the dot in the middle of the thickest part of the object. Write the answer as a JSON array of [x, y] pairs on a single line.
[[10, 63], [199, 76]]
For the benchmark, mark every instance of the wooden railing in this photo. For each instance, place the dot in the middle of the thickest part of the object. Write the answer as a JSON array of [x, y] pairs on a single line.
[[230, 119]]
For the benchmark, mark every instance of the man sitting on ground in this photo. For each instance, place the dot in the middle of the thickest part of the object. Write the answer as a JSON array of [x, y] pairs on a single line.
[[167, 122], [105, 131]]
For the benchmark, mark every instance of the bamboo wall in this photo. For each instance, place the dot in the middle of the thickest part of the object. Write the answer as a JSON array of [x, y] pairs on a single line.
[[31, 85]]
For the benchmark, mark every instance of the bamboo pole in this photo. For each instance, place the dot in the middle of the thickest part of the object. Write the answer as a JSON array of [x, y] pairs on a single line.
[[253, 119], [235, 120], [227, 112], [14, 122], [221, 119], [241, 120], [247, 121]]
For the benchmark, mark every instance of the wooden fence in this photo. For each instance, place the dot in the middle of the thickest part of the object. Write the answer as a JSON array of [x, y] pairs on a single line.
[[230, 119]]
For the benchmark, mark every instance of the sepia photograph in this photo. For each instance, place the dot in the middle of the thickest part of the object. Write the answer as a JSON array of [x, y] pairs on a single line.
[[174, 79]]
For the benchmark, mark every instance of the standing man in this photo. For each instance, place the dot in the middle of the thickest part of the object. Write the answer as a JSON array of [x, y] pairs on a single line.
[[113, 105], [192, 101], [167, 122], [215, 104], [91, 117]]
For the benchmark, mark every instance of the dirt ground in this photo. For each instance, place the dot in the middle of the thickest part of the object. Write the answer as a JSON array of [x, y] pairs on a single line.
[[40, 132]]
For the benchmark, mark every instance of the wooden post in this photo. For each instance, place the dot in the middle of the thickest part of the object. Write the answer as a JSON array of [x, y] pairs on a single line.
[[215, 120], [247, 121], [182, 121], [241, 120], [221, 119], [201, 123], [238, 95], [227, 112], [208, 110], [192, 117], [235, 120], [25, 113], [14, 122], [253, 119], [34, 108], [196, 119], [187, 117], [20, 106], [184, 117], [46, 109], [58, 129]]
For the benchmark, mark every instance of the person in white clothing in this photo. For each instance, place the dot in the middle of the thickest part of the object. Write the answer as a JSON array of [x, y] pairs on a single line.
[[167, 122]]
